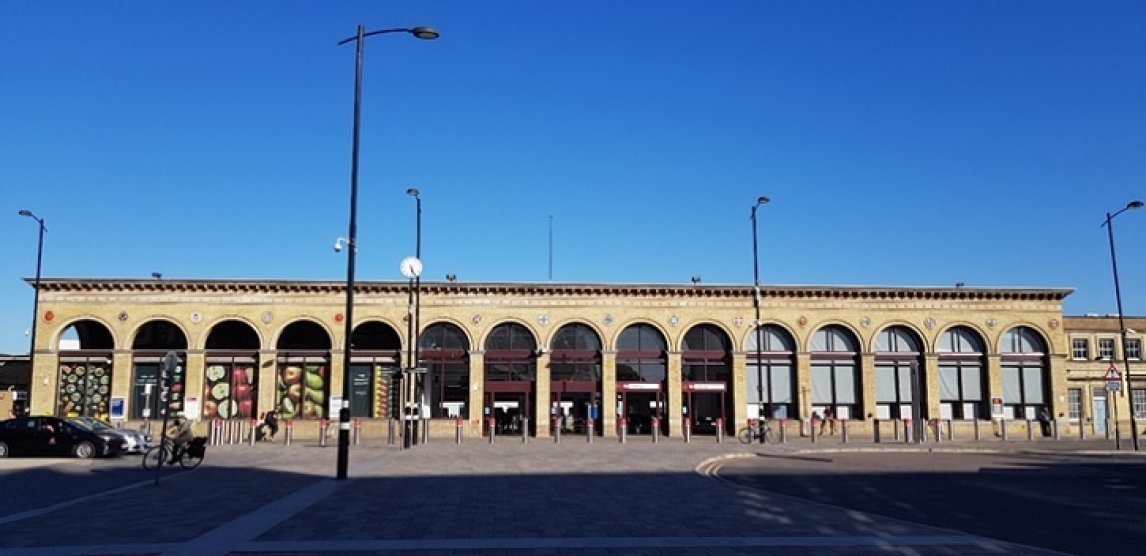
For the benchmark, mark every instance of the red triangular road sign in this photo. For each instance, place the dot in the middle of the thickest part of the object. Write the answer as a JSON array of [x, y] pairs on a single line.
[[1112, 374]]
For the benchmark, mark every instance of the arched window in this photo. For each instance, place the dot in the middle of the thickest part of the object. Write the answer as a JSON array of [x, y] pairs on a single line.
[[1024, 373], [375, 365], [897, 353], [152, 342], [962, 375], [85, 373], [510, 354], [706, 356], [641, 354], [575, 354], [835, 372], [304, 371], [231, 377], [444, 352], [771, 373]]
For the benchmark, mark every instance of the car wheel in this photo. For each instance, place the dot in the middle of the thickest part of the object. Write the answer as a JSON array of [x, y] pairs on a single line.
[[3, 450], [85, 450]]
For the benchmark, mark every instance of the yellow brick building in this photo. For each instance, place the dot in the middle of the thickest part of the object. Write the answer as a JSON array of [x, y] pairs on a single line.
[[537, 356]]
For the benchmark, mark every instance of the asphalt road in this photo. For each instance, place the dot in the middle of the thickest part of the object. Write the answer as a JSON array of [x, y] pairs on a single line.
[[1075, 504]]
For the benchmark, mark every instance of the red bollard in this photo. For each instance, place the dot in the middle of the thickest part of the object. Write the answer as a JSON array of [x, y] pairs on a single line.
[[322, 424], [254, 431], [458, 433], [357, 431], [719, 430], [492, 429], [783, 431]]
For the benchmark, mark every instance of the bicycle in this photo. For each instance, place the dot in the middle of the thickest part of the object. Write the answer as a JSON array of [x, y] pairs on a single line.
[[190, 457], [755, 430]]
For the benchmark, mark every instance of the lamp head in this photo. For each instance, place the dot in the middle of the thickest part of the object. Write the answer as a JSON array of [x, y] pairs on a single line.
[[424, 33], [696, 279], [1134, 205], [452, 277], [413, 192], [27, 213], [157, 275], [762, 200], [337, 246]]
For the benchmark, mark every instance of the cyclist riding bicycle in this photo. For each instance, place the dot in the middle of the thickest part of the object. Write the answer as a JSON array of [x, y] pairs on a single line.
[[181, 435]]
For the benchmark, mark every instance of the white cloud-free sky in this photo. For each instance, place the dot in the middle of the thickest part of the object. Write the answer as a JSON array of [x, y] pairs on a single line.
[[902, 143]]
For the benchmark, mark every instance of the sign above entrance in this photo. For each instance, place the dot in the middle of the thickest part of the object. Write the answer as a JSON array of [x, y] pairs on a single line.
[[646, 386], [706, 386]]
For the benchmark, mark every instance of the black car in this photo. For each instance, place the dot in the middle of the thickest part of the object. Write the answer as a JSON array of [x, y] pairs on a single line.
[[53, 436]]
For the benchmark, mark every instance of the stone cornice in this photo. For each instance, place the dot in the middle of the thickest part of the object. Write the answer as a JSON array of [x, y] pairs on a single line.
[[550, 289]]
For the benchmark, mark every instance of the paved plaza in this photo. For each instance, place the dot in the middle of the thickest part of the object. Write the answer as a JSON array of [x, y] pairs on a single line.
[[474, 498]]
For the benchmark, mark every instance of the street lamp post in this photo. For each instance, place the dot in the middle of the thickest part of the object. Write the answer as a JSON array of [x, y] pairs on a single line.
[[1121, 323], [427, 33], [36, 299], [413, 192], [756, 304]]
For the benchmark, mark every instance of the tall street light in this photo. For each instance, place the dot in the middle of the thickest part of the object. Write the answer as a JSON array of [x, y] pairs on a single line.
[[413, 192], [756, 304], [1121, 324], [36, 299], [427, 33]]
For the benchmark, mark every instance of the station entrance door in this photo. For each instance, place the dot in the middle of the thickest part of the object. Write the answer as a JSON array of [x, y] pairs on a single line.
[[572, 404], [703, 405], [641, 405], [508, 406]]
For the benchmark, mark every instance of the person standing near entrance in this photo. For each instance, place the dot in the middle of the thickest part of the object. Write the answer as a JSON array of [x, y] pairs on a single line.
[[1044, 421], [829, 421]]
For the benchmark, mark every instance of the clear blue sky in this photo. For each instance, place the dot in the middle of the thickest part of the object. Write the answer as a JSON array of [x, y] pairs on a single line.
[[902, 143]]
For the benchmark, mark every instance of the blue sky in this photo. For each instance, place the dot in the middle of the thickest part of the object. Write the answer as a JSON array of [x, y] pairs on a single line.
[[901, 143]]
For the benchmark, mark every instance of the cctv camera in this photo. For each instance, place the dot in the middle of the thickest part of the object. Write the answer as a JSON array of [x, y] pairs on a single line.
[[337, 246]]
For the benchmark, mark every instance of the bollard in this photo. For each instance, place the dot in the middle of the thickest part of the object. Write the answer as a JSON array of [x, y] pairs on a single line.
[[589, 431], [656, 424], [623, 427], [492, 428], [1054, 429], [426, 430], [719, 430], [288, 431], [895, 430], [1030, 431], [390, 431], [938, 425], [978, 431], [1081, 429], [556, 430], [783, 431], [253, 432], [216, 432], [687, 430], [1003, 428], [907, 431], [458, 431], [322, 432], [812, 432], [875, 431], [525, 430], [950, 430], [357, 431], [844, 431]]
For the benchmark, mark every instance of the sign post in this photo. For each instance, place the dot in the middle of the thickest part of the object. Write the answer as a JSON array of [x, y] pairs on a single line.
[[1114, 384], [170, 362]]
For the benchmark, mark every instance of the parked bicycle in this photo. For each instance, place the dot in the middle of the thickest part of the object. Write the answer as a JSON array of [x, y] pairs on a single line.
[[755, 430], [188, 458]]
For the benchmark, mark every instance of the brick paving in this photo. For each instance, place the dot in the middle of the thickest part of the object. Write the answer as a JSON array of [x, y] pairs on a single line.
[[479, 498]]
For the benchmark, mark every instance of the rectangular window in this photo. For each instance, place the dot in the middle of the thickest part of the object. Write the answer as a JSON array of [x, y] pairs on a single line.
[[1138, 402], [1106, 348], [1080, 349], [1133, 349], [1074, 403]]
